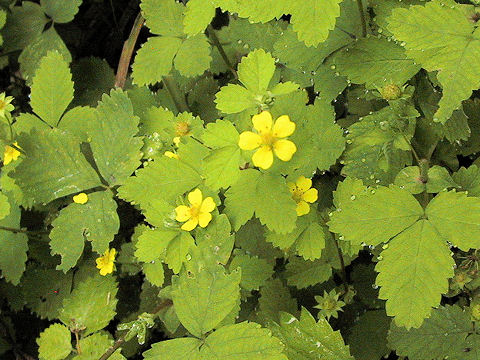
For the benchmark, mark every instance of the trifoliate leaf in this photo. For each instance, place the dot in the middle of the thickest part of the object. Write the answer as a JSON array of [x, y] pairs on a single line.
[[52, 88], [203, 300], [234, 98], [416, 254], [115, 148], [274, 298], [198, 14], [61, 11], [54, 343], [441, 38], [31, 56], [256, 70], [95, 345], [255, 271], [307, 339], [163, 17], [94, 314], [377, 216], [376, 63], [99, 224], [446, 327], [175, 349], [456, 217], [242, 341], [304, 273], [13, 247], [265, 195], [468, 179], [193, 57], [154, 59]]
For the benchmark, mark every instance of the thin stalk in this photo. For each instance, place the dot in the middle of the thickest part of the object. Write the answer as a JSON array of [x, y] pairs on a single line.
[[342, 264], [177, 96], [362, 17], [23, 231], [216, 42], [127, 51]]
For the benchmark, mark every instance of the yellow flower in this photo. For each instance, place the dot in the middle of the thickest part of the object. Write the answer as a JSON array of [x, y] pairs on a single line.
[[303, 193], [171, 155], [106, 262], [5, 105], [269, 138], [10, 154], [81, 198], [198, 213]]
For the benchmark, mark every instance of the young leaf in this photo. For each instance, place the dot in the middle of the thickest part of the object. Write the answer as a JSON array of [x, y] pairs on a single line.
[[61, 11], [202, 301], [175, 349], [418, 262], [256, 70], [52, 88], [234, 98], [54, 343]]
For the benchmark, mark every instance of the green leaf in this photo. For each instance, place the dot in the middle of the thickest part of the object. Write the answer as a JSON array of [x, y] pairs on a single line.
[[304, 273], [312, 20], [4, 206], [377, 216], [193, 57], [274, 298], [204, 299], [31, 56], [442, 38], [61, 11], [154, 59], [94, 346], [456, 217], [256, 11], [255, 271], [242, 341], [439, 179], [99, 225], [76, 121], [442, 331], [54, 343], [256, 70], [52, 88], [216, 241], [115, 148], [154, 273], [175, 349], [265, 195], [94, 314], [198, 14], [53, 166], [163, 17], [375, 62], [412, 257], [468, 179], [234, 98], [307, 339]]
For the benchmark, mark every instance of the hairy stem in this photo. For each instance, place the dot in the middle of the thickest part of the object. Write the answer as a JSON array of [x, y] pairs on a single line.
[[177, 96], [362, 17], [127, 52], [216, 42]]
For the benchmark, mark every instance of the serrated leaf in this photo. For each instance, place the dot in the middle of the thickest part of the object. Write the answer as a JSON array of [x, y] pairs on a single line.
[[52, 88], [468, 179], [442, 331], [216, 240], [256, 11], [175, 349], [274, 298], [4, 206], [222, 167], [304, 273], [377, 216], [416, 254], [307, 339], [76, 121], [96, 313], [163, 17], [54, 343], [448, 42], [256, 70], [95, 345], [61, 11], [255, 271], [198, 14], [241, 341], [193, 57], [115, 148], [53, 166], [205, 299], [234, 98], [265, 195], [99, 225], [154, 273], [456, 218]]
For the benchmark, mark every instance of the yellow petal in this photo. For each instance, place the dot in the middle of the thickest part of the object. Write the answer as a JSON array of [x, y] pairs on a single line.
[[302, 208], [171, 155], [183, 213], [204, 218], [311, 195], [111, 255], [81, 198], [304, 183], [100, 262], [195, 198], [263, 157], [284, 149], [283, 127], [190, 224], [10, 154], [262, 122], [292, 187], [249, 140], [208, 205]]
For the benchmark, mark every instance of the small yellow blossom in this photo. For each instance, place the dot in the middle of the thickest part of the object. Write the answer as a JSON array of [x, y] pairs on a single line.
[[5, 105], [303, 193], [81, 198], [171, 155], [106, 262], [269, 138], [198, 213], [10, 154], [176, 140]]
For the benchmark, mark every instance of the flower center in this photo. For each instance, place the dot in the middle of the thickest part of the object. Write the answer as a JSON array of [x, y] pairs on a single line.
[[182, 128], [268, 138], [297, 195], [194, 211]]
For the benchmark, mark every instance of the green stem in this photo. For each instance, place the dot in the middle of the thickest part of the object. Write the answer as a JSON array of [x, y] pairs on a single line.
[[342, 264], [23, 231], [362, 17], [177, 96], [216, 42]]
